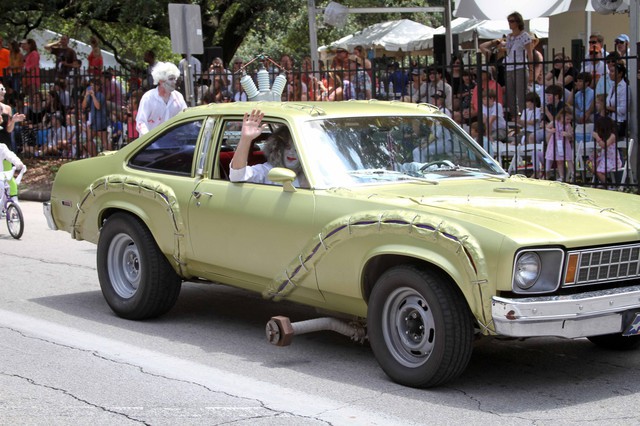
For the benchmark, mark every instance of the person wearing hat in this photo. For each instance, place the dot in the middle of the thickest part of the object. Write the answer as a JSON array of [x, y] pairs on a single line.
[[437, 82], [57, 141], [418, 92], [622, 45], [341, 60], [398, 82], [439, 99]]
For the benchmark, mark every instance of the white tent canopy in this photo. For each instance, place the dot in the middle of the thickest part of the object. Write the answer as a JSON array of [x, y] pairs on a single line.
[[529, 9], [47, 60], [489, 29], [391, 36], [466, 29]]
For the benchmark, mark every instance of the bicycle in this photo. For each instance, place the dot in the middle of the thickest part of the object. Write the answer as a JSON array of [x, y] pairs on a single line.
[[10, 209]]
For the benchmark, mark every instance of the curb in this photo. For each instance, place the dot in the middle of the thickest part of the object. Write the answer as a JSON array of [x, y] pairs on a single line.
[[35, 194]]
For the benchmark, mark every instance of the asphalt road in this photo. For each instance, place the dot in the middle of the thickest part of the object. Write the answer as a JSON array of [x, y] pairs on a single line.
[[66, 359]]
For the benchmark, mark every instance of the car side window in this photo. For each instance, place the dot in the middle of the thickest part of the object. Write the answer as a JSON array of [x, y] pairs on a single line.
[[230, 139], [172, 152]]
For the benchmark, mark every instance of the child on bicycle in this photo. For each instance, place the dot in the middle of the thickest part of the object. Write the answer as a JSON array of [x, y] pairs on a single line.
[[9, 160], [7, 157], [9, 206]]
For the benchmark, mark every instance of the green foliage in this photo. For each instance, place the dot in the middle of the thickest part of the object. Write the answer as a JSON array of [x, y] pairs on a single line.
[[289, 33], [248, 27], [127, 42]]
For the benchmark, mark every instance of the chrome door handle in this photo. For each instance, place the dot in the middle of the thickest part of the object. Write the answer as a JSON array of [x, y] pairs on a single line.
[[198, 194]]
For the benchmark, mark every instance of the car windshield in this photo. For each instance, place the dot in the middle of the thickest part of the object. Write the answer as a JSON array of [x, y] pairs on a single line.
[[364, 150]]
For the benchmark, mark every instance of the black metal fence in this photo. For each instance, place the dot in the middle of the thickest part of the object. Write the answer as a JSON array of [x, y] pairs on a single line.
[[476, 92]]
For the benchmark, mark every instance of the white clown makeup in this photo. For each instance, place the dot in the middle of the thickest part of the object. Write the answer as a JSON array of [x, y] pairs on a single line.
[[170, 84], [291, 160]]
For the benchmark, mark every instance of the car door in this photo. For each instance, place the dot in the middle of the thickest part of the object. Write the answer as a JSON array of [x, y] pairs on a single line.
[[248, 234]]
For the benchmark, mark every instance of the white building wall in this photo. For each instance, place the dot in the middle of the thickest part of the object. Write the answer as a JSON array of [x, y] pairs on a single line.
[[572, 25]]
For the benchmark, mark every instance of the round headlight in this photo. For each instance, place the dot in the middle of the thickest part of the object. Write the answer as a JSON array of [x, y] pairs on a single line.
[[527, 270]]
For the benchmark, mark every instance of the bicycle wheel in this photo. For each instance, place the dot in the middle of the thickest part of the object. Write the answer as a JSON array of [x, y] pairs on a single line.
[[15, 220]]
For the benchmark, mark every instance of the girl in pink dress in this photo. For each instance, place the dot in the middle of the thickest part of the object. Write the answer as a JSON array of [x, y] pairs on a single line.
[[559, 143], [606, 158]]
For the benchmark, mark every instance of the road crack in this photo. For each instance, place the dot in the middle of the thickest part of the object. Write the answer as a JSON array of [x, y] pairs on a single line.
[[260, 404], [77, 398]]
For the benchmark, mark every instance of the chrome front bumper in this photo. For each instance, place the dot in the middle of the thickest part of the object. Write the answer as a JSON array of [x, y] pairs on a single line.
[[579, 315], [46, 209]]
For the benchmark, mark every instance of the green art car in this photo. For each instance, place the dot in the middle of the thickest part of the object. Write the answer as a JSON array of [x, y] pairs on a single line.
[[408, 233]]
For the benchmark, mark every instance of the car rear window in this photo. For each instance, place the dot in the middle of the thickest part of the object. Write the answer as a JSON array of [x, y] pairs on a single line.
[[171, 152]]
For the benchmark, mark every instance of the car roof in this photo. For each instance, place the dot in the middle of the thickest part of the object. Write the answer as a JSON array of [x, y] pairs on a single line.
[[318, 109]]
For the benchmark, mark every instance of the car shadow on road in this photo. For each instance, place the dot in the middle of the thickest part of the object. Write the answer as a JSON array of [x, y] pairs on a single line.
[[504, 376]]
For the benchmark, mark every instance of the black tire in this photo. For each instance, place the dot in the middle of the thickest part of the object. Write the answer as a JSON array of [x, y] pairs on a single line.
[[136, 279], [15, 220], [616, 342], [404, 299]]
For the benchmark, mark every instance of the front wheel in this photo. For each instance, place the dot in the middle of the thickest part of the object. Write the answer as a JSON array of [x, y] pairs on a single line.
[[15, 220], [136, 279], [419, 327]]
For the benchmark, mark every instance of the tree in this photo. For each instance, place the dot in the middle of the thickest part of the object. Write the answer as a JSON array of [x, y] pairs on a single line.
[[118, 22], [129, 27], [289, 33]]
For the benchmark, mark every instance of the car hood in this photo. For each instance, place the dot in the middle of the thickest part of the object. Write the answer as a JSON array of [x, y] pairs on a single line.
[[526, 210]]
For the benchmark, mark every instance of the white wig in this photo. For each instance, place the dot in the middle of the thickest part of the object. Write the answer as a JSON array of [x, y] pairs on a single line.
[[164, 70]]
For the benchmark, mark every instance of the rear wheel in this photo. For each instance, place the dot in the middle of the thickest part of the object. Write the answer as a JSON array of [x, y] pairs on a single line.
[[419, 327], [136, 279], [15, 220], [615, 341]]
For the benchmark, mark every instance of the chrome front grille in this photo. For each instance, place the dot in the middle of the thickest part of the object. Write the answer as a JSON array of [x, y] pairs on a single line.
[[605, 264]]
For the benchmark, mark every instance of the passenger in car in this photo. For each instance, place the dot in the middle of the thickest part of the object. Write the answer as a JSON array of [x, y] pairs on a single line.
[[278, 149]]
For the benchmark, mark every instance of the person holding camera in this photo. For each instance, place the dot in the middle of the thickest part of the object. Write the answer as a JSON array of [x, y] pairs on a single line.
[[95, 101], [65, 56]]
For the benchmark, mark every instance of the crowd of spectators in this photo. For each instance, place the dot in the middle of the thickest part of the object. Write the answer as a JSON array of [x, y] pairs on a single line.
[[78, 109], [72, 110], [507, 88], [515, 101]]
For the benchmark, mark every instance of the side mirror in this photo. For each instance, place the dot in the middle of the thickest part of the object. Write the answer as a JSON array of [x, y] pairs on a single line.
[[284, 177]]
